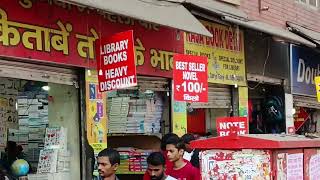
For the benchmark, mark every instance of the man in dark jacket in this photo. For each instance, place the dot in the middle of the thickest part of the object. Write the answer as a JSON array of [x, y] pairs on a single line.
[[191, 155]]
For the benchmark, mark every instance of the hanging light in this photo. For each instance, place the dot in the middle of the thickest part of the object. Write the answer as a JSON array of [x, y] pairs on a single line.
[[46, 88], [89, 72]]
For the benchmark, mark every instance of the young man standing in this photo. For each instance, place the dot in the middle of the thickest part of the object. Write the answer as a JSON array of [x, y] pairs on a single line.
[[156, 167], [182, 170], [108, 162], [190, 154]]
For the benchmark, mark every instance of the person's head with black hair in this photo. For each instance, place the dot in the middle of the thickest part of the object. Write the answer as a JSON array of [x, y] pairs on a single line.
[[156, 166], [165, 139], [175, 147], [187, 138], [108, 162]]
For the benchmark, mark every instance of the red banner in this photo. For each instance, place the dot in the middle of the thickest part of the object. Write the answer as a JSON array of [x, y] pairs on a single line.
[[61, 33], [115, 63], [190, 78], [232, 125]]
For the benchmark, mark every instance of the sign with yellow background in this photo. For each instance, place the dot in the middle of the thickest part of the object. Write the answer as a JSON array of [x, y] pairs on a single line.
[[96, 105], [179, 118], [225, 52], [243, 101], [317, 82]]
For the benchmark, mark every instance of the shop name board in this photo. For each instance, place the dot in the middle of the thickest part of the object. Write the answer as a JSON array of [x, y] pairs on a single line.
[[62, 33], [224, 50], [116, 63], [190, 78], [304, 68], [228, 125]]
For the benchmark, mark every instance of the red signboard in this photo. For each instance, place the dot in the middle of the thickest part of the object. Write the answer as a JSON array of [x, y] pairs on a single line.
[[232, 125], [60, 33], [190, 78], [115, 63]]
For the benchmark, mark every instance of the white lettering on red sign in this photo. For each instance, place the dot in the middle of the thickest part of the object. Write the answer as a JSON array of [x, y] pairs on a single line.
[[116, 62], [190, 78]]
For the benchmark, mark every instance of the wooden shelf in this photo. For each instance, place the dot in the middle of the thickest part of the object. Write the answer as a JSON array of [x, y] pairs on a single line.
[[159, 135]]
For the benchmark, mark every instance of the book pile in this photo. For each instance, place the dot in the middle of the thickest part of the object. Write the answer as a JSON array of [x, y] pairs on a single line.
[[133, 161]]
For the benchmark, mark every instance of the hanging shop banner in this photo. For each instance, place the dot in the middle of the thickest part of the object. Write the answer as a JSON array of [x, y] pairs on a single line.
[[116, 62], [317, 84], [96, 105], [243, 101], [305, 66], [228, 125], [61, 33], [225, 52], [190, 78]]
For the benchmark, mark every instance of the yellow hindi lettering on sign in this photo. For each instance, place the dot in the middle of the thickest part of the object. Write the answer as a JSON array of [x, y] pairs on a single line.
[[34, 37], [85, 46], [317, 83], [139, 51], [225, 52], [161, 59]]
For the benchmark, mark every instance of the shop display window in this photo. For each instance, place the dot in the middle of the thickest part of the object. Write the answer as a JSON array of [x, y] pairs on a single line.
[[40, 124]]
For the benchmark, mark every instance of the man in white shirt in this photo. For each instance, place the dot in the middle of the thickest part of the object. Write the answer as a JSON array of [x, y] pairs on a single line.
[[191, 155], [156, 167]]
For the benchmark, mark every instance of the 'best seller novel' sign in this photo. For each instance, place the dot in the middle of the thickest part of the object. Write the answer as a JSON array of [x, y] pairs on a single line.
[[115, 62], [190, 78]]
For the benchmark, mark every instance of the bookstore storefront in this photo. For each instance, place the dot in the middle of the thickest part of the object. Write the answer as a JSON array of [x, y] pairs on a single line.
[[41, 57], [39, 117]]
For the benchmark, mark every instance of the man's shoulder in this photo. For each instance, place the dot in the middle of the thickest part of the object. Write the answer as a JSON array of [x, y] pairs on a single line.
[[170, 178]]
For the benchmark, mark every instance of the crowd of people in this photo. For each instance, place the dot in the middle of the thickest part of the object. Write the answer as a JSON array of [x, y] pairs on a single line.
[[176, 161]]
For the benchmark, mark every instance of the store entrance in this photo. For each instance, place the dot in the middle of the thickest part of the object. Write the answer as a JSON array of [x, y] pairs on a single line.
[[266, 108], [39, 128]]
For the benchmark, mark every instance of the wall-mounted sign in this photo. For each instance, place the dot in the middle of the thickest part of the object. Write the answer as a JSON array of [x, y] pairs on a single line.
[[305, 66]]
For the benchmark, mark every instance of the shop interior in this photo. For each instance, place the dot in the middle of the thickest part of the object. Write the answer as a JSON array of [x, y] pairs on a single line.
[[137, 119], [39, 124], [266, 108]]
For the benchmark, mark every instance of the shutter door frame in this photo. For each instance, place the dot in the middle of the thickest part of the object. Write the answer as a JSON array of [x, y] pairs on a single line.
[[219, 97], [153, 83], [306, 101], [36, 72]]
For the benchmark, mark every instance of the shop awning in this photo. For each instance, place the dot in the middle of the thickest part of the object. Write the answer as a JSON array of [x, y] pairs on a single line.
[[305, 32], [256, 141], [216, 7], [269, 29], [163, 13]]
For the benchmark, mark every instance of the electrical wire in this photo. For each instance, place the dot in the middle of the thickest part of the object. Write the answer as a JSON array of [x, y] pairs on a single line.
[[264, 66]]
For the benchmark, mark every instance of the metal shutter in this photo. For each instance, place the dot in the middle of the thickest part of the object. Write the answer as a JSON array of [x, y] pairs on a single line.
[[36, 72], [153, 83], [305, 101], [219, 96]]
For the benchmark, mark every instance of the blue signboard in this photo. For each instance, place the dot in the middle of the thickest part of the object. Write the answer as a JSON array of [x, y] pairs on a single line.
[[305, 65]]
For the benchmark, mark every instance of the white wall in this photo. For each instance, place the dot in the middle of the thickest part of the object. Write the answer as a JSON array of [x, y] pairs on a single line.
[[64, 111]]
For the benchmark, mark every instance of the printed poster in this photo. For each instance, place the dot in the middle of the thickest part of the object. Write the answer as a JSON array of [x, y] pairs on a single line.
[[243, 101], [235, 165], [96, 105], [314, 167], [295, 166], [179, 118], [225, 52]]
